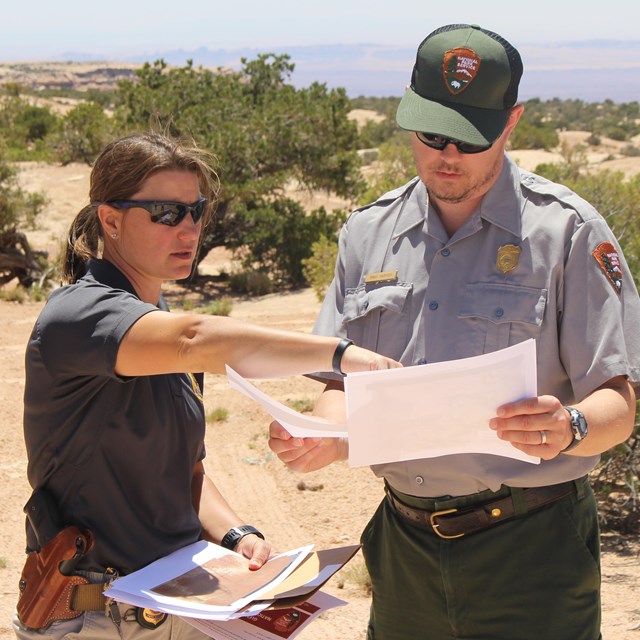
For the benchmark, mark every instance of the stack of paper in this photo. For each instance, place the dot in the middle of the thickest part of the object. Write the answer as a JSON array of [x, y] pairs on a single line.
[[212, 587], [422, 411]]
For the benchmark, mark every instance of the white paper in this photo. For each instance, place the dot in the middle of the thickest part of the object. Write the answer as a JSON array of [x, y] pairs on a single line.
[[297, 424], [140, 587], [270, 624], [423, 411], [437, 409]]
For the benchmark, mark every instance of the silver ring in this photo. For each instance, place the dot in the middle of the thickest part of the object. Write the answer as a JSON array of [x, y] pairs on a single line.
[[543, 437]]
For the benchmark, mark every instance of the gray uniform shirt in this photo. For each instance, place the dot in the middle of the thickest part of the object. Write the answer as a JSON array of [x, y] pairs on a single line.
[[454, 298], [117, 454]]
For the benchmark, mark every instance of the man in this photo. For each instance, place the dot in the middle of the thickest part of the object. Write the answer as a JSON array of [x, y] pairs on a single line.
[[472, 256]]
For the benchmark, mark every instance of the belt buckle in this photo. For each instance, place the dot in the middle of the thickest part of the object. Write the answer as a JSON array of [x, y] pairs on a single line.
[[435, 526]]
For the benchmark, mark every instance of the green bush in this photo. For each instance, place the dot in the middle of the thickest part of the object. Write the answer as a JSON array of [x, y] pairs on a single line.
[[533, 134], [219, 414], [394, 167], [319, 268], [81, 134], [264, 131], [251, 282], [630, 151], [277, 237], [220, 307], [36, 122], [24, 127], [17, 207]]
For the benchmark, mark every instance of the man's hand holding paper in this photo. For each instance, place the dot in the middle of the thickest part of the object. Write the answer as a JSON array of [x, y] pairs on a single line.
[[424, 411]]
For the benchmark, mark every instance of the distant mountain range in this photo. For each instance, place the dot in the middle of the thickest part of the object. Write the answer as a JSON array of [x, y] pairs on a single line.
[[592, 71]]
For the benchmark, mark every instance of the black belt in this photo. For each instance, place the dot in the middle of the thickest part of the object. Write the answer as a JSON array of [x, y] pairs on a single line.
[[455, 523]]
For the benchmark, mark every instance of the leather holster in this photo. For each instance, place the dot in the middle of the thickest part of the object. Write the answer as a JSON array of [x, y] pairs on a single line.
[[47, 581]]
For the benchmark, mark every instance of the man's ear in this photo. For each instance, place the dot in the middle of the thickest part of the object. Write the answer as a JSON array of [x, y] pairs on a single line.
[[515, 115]]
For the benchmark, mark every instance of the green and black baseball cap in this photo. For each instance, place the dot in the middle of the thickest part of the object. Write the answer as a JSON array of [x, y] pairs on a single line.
[[464, 83]]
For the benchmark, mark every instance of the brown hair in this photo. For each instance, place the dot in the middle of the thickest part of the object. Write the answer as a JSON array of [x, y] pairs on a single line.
[[118, 173]]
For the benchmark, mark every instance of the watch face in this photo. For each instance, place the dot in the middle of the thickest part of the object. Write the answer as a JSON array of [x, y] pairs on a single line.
[[578, 424]]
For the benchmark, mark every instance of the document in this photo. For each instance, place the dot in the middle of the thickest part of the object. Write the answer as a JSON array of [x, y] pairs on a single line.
[[437, 409], [297, 424], [421, 411], [270, 623], [207, 582]]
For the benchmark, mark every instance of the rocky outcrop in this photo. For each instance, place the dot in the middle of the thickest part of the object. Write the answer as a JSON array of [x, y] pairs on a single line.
[[67, 75]]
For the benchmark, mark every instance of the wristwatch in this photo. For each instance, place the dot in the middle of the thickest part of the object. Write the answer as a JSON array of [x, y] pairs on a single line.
[[232, 537], [578, 426]]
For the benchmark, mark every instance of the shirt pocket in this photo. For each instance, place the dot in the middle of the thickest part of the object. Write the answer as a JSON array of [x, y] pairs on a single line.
[[377, 317], [501, 315]]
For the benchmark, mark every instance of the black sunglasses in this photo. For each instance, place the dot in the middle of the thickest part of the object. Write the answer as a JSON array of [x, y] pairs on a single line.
[[440, 142], [165, 212]]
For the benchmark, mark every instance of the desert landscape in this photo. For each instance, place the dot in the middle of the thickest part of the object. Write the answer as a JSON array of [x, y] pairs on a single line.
[[328, 508]]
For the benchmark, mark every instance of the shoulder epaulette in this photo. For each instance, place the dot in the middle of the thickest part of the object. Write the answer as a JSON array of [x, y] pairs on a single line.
[[558, 192], [390, 196]]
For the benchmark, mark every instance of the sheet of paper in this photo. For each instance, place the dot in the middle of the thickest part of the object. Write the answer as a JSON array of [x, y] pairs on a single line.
[[270, 624], [437, 409], [297, 424], [204, 580], [312, 572]]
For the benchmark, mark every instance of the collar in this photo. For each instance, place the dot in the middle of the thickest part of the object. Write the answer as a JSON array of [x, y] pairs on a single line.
[[413, 211], [505, 198], [106, 273], [497, 206]]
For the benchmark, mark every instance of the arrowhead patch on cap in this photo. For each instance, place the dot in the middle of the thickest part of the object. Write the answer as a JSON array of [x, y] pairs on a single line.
[[459, 67]]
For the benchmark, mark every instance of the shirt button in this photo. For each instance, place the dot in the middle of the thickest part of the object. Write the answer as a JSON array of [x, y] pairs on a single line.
[[433, 305], [419, 479], [445, 252], [421, 361], [499, 312], [365, 305]]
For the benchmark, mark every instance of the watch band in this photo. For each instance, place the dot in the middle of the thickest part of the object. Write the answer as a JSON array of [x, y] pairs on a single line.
[[338, 353], [233, 536]]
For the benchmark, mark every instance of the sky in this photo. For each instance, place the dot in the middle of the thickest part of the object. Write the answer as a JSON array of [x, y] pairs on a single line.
[[42, 29]]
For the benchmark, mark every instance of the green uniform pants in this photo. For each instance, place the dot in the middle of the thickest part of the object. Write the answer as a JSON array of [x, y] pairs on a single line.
[[536, 577]]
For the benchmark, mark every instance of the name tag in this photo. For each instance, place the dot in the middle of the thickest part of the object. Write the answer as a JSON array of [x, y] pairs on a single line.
[[381, 276]]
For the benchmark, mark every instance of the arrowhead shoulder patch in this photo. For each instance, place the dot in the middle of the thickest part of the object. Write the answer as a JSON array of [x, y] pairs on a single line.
[[607, 257]]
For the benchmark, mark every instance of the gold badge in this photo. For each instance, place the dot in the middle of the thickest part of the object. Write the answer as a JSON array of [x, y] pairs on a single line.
[[508, 256], [150, 619]]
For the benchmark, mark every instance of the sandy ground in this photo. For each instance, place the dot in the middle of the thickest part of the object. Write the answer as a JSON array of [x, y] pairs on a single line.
[[328, 508]]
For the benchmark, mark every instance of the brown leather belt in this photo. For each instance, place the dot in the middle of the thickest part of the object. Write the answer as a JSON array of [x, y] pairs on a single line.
[[455, 523]]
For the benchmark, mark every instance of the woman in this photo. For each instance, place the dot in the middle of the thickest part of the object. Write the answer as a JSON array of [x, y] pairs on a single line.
[[114, 420]]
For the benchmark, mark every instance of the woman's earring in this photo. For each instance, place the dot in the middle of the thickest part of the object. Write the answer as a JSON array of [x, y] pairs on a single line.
[[114, 235]]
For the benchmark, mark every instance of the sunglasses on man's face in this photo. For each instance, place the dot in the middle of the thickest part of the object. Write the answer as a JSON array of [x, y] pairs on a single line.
[[440, 142], [165, 212]]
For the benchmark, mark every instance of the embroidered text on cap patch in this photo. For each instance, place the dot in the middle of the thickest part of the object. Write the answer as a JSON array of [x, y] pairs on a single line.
[[459, 67]]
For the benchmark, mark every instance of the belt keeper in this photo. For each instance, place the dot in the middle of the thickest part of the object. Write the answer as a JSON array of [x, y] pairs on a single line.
[[519, 505]]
